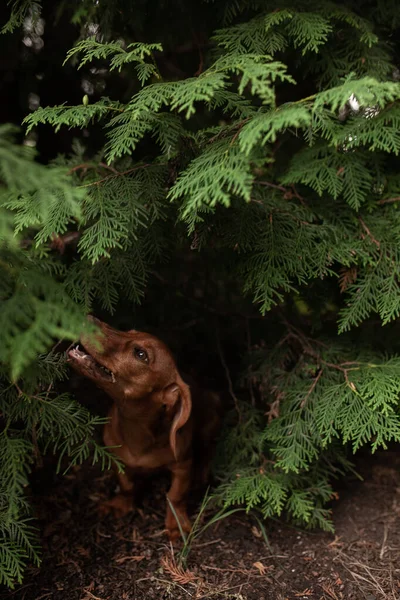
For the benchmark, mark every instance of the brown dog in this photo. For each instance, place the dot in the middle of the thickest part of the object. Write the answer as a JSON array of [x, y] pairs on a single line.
[[156, 420]]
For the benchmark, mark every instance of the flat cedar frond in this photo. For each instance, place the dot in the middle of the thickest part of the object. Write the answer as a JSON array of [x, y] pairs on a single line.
[[137, 52], [347, 277], [309, 31], [382, 133], [258, 72], [19, 10], [112, 213], [258, 35], [180, 96], [368, 92], [265, 128], [33, 315], [71, 116], [324, 169], [211, 179]]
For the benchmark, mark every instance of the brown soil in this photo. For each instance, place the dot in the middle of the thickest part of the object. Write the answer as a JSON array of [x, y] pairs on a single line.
[[87, 557]]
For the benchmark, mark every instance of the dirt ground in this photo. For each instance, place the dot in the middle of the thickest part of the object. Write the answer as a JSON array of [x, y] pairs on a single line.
[[87, 557]]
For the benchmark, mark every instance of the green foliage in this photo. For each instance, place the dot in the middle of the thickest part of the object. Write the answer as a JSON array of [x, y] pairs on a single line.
[[111, 211], [270, 148], [260, 483], [44, 422], [19, 10], [34, 307], [72, 116], [38, 197], [219, 172], [35, 311], [264, 128], [324, 402], [135, 53]]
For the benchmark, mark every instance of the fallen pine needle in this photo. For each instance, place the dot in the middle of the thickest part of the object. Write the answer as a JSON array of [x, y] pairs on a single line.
[[123, 559], [178, 573]]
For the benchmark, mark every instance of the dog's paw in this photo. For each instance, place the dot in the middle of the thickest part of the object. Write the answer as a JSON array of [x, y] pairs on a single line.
[[119, 506], [174, 535], [173, 531]]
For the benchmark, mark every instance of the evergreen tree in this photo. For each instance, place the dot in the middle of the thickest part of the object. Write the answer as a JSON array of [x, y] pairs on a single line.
[[269, 151]]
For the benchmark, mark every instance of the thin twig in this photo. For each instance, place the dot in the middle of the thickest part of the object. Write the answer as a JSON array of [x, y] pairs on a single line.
[[221, 591], [227, 374], [221, 133], [233, 570], [109, 168], [297, 195], [308, 349], [44, 596], [201, 58], [203, 544], [346, 562], [250, 370], [383, 548], [79, 167], [93, 166], [119, 174], [389, 200], [54, 348], [272, 185], [310, 391], [165, 581], [19, 589], [90, 595], [288, 192], [367, 231], [329, 591], [38, 456]]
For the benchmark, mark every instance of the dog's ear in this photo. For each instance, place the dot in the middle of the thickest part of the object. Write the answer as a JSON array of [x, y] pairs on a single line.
[[177, 398]]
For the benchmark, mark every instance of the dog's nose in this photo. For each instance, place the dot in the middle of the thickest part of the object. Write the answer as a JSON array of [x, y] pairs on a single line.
[[93, 319]]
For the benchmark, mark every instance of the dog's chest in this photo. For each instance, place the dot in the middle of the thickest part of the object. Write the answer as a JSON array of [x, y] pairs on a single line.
[[138, 446], [138, 453], [153, 458]]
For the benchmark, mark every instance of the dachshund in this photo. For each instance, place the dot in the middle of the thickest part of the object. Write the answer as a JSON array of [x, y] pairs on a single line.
[[156, 420]]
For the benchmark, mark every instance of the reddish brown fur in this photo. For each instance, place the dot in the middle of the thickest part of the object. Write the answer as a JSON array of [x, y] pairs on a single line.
[[155, 420]]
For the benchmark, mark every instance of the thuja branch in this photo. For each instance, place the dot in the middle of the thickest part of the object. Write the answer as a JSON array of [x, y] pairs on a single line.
[[117, 174]]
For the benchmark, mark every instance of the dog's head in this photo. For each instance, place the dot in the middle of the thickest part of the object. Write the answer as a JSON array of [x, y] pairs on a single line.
[[138, 371]]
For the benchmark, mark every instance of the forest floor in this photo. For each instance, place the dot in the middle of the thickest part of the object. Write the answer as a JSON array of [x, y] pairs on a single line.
[[87, 557]]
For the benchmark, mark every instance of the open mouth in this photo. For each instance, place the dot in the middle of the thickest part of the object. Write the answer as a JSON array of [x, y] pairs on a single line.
[[90, 364]]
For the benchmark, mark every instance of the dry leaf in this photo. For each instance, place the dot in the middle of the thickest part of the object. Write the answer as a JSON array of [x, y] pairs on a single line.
[[260, 567], [335, 542], [256, 532]]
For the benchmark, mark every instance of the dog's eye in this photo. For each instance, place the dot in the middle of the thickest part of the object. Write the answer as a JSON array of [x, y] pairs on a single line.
[[141, 354]]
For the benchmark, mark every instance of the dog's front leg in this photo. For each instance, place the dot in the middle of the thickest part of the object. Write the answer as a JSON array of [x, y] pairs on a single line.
[[122, 503], [180, 483]]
